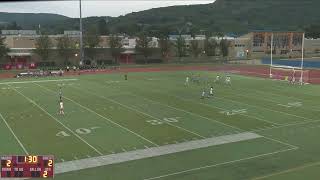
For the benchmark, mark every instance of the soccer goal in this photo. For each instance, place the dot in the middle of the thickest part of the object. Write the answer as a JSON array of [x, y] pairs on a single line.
[[290, 73]]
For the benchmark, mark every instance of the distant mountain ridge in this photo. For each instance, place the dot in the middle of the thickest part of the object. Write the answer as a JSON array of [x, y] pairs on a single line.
[[238, 16], [31, 20]]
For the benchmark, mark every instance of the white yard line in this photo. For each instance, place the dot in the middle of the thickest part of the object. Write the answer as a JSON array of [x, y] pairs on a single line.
[[80, 138], [281, 142], [260, 107], [287, 125], [138, 111], [151, 152], [15, 136], [218, 164], [288, 170], [231, 126], [212, 106], [151, 116], [279, 103], [178, 109], [103, 117], [254, 117], [281, 95], [26, 82]]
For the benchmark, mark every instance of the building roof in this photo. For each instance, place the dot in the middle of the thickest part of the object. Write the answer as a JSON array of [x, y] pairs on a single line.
[[17, 32], [278, 31], [19, 54], [129, 51]]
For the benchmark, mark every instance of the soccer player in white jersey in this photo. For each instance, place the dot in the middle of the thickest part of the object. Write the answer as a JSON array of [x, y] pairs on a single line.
[[217, 78], [228, 80], [187, 81], [211, 91], [203, 94], [61, 110]]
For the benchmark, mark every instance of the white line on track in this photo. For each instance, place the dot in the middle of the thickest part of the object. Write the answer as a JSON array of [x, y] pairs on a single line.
[[31, 101], [218, 164], [138, 111], [15, 136], [103, 117], [26, 82]]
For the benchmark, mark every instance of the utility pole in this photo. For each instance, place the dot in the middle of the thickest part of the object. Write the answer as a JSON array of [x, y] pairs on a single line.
[[302, 58], [81, 37], [271, 55]]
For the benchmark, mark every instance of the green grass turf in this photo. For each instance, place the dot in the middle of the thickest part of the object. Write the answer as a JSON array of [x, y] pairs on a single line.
[[106, 114]]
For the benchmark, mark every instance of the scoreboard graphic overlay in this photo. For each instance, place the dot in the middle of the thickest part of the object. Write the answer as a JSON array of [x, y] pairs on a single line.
[[27, 166]]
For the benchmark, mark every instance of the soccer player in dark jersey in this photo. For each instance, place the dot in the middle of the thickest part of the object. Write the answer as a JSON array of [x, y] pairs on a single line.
[[60, 93]]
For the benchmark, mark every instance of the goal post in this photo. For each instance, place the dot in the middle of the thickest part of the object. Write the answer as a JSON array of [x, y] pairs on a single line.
[[299, 70], [290, 73]]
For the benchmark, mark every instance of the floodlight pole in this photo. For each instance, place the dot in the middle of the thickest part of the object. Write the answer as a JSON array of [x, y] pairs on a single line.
[[271, 58], [81, 41], [302, 58]]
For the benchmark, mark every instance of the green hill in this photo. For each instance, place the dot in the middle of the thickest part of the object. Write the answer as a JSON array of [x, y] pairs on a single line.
[[229, 15], [31, 20], [238, 16]]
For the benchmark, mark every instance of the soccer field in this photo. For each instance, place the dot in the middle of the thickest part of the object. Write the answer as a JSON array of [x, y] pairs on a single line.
[[152, 126]]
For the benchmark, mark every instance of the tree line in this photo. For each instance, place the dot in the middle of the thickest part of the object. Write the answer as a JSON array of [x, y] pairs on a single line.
[[68, 47]]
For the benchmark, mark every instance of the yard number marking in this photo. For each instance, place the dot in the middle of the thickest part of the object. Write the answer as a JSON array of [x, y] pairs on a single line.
[[82, 131], [291, 104], [234, 112], [164, 120]]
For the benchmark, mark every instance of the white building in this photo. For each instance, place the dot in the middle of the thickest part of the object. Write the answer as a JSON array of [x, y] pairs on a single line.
[[18, 32], [129, 43], [71, 33]]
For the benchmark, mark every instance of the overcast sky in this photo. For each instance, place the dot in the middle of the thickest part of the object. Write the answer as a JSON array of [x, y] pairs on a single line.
[[92, 7]]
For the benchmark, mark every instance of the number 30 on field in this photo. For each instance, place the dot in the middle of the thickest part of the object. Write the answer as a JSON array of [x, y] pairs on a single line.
[[164, 120]]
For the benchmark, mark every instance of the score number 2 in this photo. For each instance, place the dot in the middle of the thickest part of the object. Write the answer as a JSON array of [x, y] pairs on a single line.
[[45, 173], [8, 163]]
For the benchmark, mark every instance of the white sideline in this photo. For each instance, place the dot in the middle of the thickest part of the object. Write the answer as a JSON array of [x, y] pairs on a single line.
[[150, 152], [62, 124], [103, 117], [22, 146], [25, 82], [138, 111], [219, 164]]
